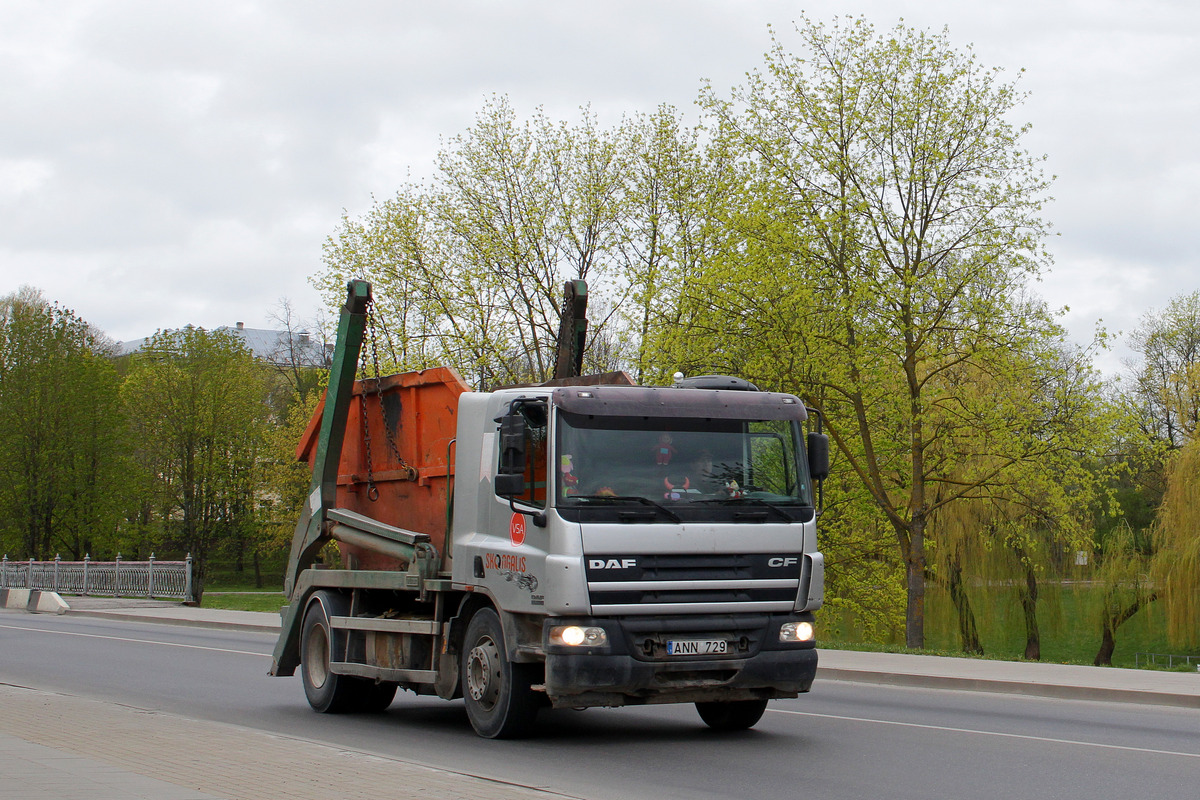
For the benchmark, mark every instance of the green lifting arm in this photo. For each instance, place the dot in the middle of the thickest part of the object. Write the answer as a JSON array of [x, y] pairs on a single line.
[[311, 530], [572, 331], [311, 533]]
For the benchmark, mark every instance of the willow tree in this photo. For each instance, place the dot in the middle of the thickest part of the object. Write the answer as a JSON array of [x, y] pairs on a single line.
[[1177, 526], [1176, 567], [1123, 578], [890, 225], [1040, 497], [1163, 403]]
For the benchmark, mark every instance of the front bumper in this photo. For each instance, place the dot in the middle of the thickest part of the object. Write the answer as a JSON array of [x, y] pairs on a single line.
[[632, 669]]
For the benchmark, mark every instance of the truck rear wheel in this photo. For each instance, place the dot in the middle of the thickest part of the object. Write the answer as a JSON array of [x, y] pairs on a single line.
[[373, 697], [734, 716], [326, 691], [496, 691]]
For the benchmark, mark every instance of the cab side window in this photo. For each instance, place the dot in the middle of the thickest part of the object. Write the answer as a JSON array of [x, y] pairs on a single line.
[[536, 428]]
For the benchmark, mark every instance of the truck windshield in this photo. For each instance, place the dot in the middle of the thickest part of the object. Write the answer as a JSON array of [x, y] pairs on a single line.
[[682, 468]]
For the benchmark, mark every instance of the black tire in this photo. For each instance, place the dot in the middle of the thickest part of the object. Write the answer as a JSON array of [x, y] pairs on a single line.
[[327, 692], [496, 691], [373, 698], [734, 716]]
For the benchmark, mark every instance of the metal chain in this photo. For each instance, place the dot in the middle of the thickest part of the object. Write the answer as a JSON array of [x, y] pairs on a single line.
[[372, 489], [373, 339]]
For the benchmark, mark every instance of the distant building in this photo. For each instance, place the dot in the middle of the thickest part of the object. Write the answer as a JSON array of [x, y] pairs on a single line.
[[272, 347]]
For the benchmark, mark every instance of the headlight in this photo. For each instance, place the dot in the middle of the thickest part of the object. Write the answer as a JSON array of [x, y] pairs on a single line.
[[578, 636], [796, 632]]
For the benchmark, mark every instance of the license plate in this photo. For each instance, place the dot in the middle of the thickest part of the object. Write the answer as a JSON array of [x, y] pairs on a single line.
[[697, 647]]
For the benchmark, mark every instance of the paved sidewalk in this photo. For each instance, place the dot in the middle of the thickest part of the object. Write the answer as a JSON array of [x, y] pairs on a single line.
[[36, 772], [60, 747]]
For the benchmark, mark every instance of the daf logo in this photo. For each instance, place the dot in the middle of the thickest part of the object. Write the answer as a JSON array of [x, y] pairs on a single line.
[[782, 562], [612, 563]]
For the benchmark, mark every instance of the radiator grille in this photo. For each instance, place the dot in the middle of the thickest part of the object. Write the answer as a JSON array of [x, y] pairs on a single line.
[[652, 584]]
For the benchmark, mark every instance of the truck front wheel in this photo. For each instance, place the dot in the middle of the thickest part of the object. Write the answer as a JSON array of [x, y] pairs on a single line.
[[734, 716], [496, 691]]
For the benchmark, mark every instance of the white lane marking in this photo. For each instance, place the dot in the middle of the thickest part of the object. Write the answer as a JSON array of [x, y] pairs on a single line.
[[988, 733], [138, 641]]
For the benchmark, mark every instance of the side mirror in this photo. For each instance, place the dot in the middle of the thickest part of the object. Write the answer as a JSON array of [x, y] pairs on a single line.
[[508, 485], [818, 456], [510, 477]]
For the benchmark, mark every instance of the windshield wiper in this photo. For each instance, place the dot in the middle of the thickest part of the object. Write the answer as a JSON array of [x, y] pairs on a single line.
[[753, 501], [671, 515]]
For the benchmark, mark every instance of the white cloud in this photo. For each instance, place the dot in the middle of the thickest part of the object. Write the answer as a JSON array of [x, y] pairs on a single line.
[[181, 162], [21, 176]]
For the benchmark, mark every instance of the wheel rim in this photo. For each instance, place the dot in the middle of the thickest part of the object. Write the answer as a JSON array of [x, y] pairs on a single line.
[[483, 673], [316, 656]]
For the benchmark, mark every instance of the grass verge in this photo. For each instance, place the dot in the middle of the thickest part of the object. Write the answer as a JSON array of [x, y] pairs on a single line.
[[244, 601]]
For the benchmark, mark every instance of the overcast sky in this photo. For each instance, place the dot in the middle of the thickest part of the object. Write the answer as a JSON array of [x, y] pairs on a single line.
[[166, 162]]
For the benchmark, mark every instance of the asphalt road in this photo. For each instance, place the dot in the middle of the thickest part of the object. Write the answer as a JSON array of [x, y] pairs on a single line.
[[844, 740]]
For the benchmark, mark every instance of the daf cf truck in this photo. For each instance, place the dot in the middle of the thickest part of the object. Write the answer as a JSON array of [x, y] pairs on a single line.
[[584, 542]]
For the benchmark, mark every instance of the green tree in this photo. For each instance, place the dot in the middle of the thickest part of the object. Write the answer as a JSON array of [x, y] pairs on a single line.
[[1166, 384], [197, 401], [890, 224], [676, 182], [468, 271], [864, 586], [287, 480], [62, 443]]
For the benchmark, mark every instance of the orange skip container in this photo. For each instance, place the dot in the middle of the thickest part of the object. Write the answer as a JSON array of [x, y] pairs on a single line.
[[417, 413]]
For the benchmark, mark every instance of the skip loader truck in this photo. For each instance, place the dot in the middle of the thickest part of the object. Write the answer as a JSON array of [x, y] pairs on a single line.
[[583, 542]]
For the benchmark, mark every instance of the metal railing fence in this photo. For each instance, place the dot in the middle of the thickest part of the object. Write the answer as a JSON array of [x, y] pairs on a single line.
[[120, 578], [1167, 659]]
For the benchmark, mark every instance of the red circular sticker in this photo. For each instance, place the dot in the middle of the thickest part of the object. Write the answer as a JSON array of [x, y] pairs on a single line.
[[516, 529]]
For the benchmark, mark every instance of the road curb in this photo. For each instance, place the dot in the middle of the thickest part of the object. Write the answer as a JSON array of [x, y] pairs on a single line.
[[187, 623], [1056, 691]]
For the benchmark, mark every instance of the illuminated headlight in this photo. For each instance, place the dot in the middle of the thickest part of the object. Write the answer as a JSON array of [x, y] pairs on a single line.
[[796, 632], [578, 636]]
